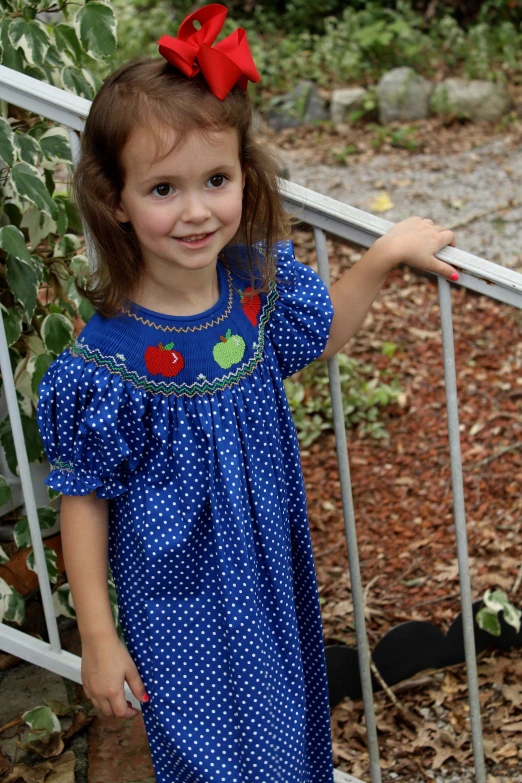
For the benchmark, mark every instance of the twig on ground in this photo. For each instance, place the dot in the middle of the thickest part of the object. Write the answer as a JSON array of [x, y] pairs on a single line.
[[487, 460], [518, 580], [477, 215], [438, 599], [10, 725]]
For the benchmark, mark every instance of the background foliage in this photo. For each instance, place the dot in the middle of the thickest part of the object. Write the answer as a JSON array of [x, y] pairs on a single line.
[[40, 232]]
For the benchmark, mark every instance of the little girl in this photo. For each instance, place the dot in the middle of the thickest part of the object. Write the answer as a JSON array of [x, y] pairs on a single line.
[[168, 429]]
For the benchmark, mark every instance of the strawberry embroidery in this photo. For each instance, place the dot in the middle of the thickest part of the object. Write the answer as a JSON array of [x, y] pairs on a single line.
[[251, 304], [163, 360]]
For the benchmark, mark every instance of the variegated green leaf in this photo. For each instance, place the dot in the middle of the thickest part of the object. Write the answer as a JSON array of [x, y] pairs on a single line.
[[66, 245], [42, 718], [66, 39], [55, 145], [32, 38], [50, 560], [63, 603], [97, 27], [22, 535], [5, 497], [12, 606], [27, 182], [74, 81], [11, 58], [23, 283], [27, 148], [488, 621], [56, 331], [3, 556], [7, 149], [13, 242], [39, 225], [42, 363], [13, 325]]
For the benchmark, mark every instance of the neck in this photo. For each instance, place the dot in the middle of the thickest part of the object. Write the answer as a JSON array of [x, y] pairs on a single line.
[[178, 291]]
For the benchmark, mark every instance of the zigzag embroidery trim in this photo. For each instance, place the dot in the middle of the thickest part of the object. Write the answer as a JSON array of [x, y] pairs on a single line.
[[187, 329], [68, 466], [181, 390]]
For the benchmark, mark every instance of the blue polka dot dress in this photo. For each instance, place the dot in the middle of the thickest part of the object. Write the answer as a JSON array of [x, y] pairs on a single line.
[[183, 423]]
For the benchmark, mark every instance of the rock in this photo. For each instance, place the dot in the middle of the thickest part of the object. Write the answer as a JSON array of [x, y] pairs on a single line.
[[403, 95], [346, 101], [475, 99], [298, 107]]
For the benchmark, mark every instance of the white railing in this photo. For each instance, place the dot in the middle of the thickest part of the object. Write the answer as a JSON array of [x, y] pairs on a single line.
[[324, 214]]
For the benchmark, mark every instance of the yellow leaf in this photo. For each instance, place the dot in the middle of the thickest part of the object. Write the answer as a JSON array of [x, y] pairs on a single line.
[[382, 203]]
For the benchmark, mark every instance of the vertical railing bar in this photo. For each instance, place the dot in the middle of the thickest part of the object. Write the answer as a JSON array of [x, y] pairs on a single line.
[[28, 491], [74, 141], [460, 526], [351, 533]]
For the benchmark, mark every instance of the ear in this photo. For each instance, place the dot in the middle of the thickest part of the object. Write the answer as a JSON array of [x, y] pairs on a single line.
[[120, 214], [243, 178]]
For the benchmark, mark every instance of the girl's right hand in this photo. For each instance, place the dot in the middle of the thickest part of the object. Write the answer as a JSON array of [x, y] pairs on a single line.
[[106, 665]]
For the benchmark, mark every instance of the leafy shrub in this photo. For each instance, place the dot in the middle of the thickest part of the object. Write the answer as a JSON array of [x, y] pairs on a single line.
[[40, 250], [364, 397]]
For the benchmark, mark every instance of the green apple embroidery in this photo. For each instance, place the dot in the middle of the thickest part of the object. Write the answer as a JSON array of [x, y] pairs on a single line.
[[229, 350]]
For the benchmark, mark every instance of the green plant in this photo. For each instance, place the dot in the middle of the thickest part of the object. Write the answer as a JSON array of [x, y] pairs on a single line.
[[494, 602], [40, 247], [364, 397]]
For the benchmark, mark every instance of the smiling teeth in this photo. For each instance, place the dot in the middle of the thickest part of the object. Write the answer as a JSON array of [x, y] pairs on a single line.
[[194, 237]]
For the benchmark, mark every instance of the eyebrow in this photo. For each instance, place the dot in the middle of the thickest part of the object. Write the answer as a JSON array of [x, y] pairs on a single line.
[[223, 167]]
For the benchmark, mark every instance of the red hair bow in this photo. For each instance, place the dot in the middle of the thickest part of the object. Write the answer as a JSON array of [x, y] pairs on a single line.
[[224, 65]]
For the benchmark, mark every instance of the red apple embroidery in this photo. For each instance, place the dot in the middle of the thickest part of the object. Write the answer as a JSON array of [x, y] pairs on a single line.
[[162, 360], [251, 304]]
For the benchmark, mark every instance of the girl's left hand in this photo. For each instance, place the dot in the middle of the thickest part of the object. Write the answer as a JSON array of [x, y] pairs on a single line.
[[415, 241]]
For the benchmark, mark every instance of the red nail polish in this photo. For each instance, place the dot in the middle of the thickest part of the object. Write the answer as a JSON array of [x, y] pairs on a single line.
[[146, 697], [454, 276]]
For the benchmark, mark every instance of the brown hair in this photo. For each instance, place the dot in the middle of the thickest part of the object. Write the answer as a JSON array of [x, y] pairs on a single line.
[[151, 92]]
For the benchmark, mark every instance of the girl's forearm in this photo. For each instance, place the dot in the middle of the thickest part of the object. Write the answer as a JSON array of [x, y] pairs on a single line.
[[84, 533], [353, 294]]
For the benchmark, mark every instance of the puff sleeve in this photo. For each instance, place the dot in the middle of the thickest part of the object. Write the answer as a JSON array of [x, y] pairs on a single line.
[[90, 425], [300, 324]]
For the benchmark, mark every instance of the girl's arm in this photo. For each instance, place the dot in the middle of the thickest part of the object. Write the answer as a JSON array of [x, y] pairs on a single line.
[[106, 664], [413, 241]]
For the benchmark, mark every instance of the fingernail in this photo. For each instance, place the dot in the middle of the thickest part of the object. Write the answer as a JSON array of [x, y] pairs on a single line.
[[454, 276], [146, 697]]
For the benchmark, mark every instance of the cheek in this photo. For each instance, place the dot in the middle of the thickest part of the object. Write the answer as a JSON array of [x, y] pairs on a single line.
[[152, 221]]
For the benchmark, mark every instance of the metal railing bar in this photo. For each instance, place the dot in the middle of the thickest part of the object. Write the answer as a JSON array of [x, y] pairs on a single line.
[[40, 653], [42, 98], [27, 489], [460, 526], [351, 533], [363, 228]]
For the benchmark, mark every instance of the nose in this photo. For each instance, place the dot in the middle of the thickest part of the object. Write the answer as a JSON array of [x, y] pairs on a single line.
[[194, 210]]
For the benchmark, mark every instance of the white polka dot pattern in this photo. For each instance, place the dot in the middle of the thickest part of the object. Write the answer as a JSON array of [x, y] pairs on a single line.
[[208, 543]]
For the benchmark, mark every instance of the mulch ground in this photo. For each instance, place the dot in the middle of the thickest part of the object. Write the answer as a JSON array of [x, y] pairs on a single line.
[[403, 505]]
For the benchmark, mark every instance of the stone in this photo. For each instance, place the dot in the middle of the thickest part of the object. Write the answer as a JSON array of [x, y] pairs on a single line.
[[119, 751], [473, 99], [300, 106], [403, 95], [345, 101]]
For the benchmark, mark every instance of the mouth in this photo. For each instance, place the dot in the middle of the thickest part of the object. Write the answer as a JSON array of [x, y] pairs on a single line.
[[195, 240]]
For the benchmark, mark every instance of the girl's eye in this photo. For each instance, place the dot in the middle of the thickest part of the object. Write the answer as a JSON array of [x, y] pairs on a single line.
[[162, 189], [218, 180]]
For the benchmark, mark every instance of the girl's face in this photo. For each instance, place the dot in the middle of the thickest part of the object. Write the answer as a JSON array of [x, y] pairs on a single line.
[[186, 206]]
